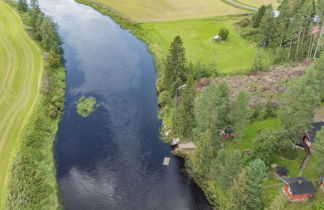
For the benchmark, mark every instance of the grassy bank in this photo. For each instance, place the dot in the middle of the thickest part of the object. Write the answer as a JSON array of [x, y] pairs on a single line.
[[259, 3], [27, 175]]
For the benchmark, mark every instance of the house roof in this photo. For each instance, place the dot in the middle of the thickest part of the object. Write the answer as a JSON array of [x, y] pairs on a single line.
[[300, 185]]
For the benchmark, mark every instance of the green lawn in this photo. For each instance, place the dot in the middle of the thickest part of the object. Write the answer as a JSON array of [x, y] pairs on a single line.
[[235, 55], [21, 67], [259, 3]]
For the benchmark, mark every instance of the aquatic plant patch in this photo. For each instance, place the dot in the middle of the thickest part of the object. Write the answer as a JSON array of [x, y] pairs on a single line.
[[86, 106]]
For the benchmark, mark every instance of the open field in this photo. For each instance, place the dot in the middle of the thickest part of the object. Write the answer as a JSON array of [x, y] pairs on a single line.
[[259, 3], [234, 55], [21, 67], [161, 10]]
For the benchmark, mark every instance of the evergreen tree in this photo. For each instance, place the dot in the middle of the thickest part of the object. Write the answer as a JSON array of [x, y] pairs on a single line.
[[319, 152], [258, 62], [297, 112], [319, 67], [240, 113], [50, 39], [203, 155], [22, 5], [256, 175], [226, 167], [267, 27], [238, 193], [183, 117], [175, 64], [258, 16], [211, 109]]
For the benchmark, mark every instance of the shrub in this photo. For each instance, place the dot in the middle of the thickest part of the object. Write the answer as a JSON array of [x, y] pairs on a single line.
[[250, 32], [223, 32], [164, 98], [258, 64], [245, 22]]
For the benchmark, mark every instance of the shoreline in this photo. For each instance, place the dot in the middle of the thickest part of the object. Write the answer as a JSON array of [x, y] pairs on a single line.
[[35, 147]]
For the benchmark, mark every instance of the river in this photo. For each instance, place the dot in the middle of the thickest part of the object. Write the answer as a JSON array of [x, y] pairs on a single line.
[[113, 158]]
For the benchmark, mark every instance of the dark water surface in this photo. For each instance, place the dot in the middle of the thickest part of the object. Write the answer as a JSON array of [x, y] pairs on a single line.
[[113, 159]]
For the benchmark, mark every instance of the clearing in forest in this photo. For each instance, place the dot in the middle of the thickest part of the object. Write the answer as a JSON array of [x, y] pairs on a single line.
[[235, 55], [21, 66]]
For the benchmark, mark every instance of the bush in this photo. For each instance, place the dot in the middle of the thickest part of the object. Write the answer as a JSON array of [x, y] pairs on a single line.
[[223, 32], [245, 22], [280, 56], [258, 64], [250, 32], [288, 152], [164, 98]]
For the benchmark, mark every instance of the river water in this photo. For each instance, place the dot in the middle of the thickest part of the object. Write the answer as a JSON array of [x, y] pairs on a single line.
[[113, 158]]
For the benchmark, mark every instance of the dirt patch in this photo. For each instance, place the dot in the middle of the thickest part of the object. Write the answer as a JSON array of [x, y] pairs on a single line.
[[319, 114], [263, 87]]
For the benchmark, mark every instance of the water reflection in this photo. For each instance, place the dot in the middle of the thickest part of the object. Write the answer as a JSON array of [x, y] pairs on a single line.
[[113, 159]]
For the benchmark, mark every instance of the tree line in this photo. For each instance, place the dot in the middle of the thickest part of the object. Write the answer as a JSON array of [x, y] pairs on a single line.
[[296, 30]]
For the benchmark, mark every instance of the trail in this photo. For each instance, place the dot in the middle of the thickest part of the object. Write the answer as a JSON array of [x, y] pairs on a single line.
[[238, 4], [21, 67]]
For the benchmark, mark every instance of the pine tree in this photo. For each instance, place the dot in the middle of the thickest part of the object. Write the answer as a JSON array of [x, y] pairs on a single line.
[[238, 193], [50, 39], [226, 167], [319, 67], [22, 5], [267, 27], [319, 152], [258, 16], [211, 109], [183, 117], [203, 155], [256, 175], [175, 64], [240, 113], [297, 112]]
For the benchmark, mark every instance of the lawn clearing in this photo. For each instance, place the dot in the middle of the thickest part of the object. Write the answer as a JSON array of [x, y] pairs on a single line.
[[234, 55], [21, 66], [161, 10], [259, 3]]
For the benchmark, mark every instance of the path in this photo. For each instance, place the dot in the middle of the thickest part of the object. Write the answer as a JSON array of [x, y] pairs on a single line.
[[21, 68], [238, 4]]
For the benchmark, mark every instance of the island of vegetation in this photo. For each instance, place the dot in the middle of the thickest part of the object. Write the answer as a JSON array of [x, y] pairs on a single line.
[[248, 102], [86, 106], [32, 103]]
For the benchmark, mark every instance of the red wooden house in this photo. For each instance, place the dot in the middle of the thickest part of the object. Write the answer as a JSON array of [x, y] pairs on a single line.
[[299, 189]]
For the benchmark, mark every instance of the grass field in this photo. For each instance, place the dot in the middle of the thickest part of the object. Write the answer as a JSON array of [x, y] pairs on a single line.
[[161, 10], [234, 55], [259, 3], [21, 67]]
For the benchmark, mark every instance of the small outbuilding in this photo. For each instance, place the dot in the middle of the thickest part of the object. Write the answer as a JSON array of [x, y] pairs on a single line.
[[299, 189], [217, 38], [282, 171]]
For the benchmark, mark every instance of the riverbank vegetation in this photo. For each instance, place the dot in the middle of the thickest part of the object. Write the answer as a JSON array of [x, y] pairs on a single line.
[[32, 175], [86, 106], [237, 143]]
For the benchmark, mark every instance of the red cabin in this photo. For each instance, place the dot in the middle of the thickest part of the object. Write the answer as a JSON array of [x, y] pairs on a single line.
[[299, 189]]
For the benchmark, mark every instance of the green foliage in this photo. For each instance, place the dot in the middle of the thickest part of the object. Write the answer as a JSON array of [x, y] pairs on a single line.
[[319, 67], [223, 32], [225, 168], [319, 151], [22, 5], [86, 106], [267, 27], [183, 120], [257, 174], [278, 203], [164, 98], [319, 206], [203, 155], [297, 111], [202, 71], [238, 194], [175, 69], [212, 109], [280, 56], [245, 22], [258, 63], [240, 113], [54, 60], [258, 16]]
